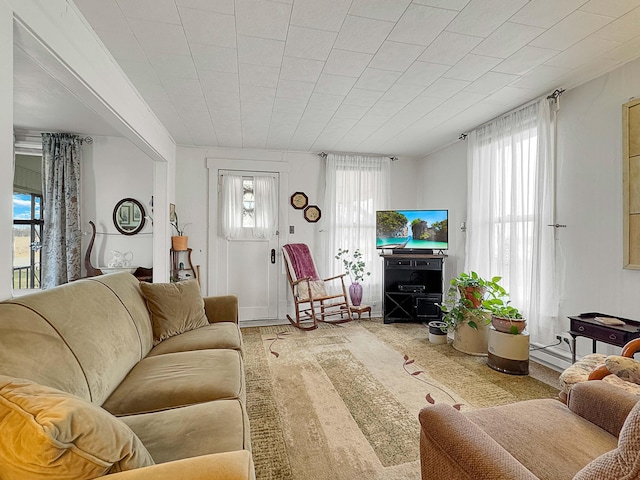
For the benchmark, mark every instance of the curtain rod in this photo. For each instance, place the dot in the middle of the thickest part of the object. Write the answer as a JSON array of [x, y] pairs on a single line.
[[392, 157], [553, 96]]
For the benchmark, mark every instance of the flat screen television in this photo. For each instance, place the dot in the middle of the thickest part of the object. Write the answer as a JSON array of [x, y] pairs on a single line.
[[412, 230]]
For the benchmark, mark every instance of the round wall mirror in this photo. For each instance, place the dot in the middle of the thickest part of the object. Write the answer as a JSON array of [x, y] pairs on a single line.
[[128, 216]]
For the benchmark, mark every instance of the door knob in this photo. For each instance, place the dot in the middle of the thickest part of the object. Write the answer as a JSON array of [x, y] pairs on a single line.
[[273, 255]]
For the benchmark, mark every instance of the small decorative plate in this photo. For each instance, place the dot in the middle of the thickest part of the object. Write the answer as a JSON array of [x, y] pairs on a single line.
[[312, 213], [299, 200]]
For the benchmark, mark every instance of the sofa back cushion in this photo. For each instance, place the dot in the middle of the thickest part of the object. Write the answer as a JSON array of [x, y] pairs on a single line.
[[47, 433], [127, 288], [93, 323]]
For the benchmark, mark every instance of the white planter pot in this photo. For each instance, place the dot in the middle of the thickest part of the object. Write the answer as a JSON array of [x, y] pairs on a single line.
[[471, 341]]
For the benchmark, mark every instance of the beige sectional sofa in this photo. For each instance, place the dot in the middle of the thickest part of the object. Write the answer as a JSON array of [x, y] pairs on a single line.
[[84, 352]]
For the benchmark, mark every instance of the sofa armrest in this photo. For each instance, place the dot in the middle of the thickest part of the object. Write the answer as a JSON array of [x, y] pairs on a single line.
[[222, 308], [236, 465], [601, 403], [452, 446]]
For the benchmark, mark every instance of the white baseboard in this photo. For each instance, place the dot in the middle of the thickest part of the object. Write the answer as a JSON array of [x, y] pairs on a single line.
[[552, 357]]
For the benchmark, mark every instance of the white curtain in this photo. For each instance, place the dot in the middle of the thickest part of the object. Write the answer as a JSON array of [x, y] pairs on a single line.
[[266, 207], [511, 170], [356, 186], [231, 207]]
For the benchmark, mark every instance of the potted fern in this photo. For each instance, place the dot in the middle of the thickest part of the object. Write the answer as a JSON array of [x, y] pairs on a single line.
[[355, 267]]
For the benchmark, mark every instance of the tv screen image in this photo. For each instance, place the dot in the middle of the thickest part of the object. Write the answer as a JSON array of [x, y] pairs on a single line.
[[412, 229]]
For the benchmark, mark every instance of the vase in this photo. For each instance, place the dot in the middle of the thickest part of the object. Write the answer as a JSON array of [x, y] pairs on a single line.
[[473, 341], [355, 292]]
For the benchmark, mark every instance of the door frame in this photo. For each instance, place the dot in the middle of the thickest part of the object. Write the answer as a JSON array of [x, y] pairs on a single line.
[[214, 166]]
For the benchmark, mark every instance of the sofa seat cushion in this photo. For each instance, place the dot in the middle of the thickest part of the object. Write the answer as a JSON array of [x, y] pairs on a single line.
[[210, 427], [47, 433], [568, 441], [214, 336], [178, 379]]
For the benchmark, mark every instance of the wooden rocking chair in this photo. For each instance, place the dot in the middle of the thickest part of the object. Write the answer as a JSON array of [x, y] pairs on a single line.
[[312, 302]]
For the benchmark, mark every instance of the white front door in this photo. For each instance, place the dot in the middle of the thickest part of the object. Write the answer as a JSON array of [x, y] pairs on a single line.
[[248, 266]]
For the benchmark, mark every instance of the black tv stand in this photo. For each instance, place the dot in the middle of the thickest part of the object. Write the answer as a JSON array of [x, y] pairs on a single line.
[[401, 303]]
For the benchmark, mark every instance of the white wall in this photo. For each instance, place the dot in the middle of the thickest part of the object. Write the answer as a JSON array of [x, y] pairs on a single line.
[[443, 185], [305, 173], [589, 199], [113, 168]]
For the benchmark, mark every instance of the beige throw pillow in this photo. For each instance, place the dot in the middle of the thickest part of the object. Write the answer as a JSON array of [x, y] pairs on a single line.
[[624, 367], [622, 462], [47, 433], [174, 307], [317, 290]]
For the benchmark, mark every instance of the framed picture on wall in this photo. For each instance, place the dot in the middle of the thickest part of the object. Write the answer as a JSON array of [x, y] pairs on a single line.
[[172, 212]]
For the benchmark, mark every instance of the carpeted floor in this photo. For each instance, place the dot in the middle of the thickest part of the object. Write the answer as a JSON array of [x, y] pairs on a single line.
[[342, 401]]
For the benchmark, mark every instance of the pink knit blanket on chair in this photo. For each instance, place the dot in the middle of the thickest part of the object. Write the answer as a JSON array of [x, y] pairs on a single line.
[[301, 260]]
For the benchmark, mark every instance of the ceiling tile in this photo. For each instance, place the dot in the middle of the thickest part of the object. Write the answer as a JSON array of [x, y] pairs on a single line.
[[423, 73], [445, 88], [301, 69], [423, 105], [449, 4], [289, 105], [187, 104], [351, 111], [610, 8], [490, 82], [160, 37], [261, 18], [139, 72], [544, 74], [175, 65], [181, 86], [259, 75], [309, 43], [254, 94], [421, 24], [508, 96], [471, 67], [218, 6], [582, 52], [362, 98], [396, 56], [462, 100], [164, 11], [482, 17], [362, 34], [390, 10], [623, 29], [449, 48], [346, 63], [104, 15], [507, 39], [295, 89], [316, 115], [524, 60], [375, 79], [326, 15], [209, 57], [209, 28], [223, 101], [402, 93], [545, 13], [123, 46], [626, 51], [260, 51], [325, 101], [334, 84], [570, 30]]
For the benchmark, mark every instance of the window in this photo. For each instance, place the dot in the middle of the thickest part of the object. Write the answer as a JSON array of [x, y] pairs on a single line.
[[27, 236], [248, 203]]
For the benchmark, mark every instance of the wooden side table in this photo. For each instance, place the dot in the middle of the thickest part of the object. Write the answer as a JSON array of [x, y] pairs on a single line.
[[360, 309]]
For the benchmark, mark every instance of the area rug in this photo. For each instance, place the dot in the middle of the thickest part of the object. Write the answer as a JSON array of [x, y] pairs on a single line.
[[342, 401]]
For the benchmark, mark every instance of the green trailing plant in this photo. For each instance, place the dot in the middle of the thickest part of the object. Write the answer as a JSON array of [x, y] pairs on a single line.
[[501, 308], [353, 264], [457, 308]]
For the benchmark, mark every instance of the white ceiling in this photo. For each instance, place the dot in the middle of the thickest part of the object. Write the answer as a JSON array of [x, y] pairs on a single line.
[[393, 77]]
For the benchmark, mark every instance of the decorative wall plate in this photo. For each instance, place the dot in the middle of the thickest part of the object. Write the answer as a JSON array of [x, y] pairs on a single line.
[[299, 200], [312, 213]]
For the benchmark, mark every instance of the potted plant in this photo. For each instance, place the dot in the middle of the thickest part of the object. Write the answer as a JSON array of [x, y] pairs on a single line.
[[355, 267], [464, 313], [504, 317], [179, 241]]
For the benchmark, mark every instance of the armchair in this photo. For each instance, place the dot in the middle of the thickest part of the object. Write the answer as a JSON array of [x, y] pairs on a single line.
[[596, 435]]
